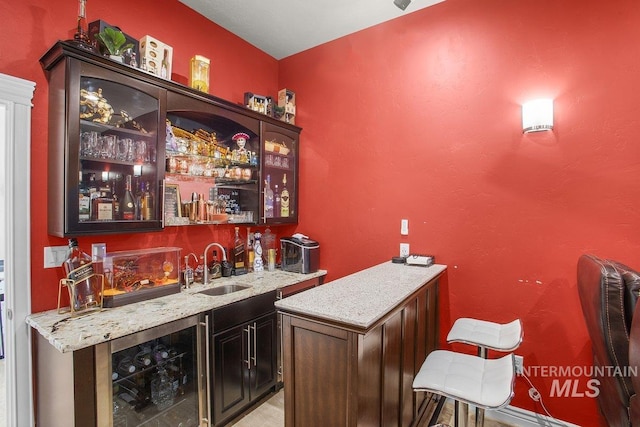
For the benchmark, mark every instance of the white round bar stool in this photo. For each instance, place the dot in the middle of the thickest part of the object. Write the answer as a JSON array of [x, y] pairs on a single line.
[[468, 379], [486, 335]]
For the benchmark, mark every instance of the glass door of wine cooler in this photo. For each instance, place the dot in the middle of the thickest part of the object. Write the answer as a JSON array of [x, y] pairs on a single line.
[[279, 175], [155, 377]]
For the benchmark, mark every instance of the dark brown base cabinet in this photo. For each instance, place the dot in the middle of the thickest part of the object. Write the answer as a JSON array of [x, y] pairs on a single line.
[[338, 375], [244, 356]]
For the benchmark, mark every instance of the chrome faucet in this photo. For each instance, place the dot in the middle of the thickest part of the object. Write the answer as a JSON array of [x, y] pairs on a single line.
[[188, 271], [206, 265]]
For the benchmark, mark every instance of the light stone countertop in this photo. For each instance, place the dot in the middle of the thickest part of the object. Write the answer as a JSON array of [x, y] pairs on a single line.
[[360, 299], [68, 333]]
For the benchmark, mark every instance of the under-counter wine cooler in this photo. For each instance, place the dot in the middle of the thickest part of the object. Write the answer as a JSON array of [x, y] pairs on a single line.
[[156, 377]]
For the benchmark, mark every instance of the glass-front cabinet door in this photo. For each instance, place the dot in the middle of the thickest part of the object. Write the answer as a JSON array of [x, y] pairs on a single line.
[[279, 175], [212, 168], [103, 172]]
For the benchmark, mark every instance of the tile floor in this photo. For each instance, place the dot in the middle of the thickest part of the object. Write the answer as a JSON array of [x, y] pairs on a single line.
[[271, 414]]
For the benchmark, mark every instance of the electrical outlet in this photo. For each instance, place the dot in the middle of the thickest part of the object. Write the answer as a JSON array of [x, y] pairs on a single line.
[[519, 362], [404, 249]]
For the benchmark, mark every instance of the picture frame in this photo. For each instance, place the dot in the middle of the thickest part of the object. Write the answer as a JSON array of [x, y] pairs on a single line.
[[172, 202]]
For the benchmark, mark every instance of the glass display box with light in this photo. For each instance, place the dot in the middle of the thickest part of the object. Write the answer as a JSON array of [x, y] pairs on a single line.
[[138, 275]]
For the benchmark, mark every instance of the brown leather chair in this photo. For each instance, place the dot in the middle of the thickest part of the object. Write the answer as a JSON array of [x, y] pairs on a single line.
[[608, 292], [634, 364]]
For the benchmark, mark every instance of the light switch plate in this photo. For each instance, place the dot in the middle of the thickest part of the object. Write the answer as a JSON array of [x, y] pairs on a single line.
[[54, 256], [404, 227]]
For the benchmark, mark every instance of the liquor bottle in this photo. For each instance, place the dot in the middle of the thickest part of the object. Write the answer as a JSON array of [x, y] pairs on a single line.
[[142, 359], [165, 65], [202, 208], [114, 372], [276, 201], [239, 261], [127, 206], [215, 268], [178, 377], [93, 193], [249, 248], [81, 37], [116, 201], [102, 208], [126, 366], [84, 202], [284, 198], [137, 197], [258, 262], [268, 198], [188, 273], [79, 267], [160, 353], [147, 205], [161, 389]]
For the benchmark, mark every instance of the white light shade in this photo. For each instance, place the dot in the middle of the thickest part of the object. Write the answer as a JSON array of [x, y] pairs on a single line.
[[537, 115]]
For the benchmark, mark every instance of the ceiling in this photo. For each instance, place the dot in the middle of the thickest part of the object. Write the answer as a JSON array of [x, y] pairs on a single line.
[[284, 27]]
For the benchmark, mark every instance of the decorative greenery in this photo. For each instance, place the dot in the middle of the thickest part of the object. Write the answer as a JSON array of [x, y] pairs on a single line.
[[114, 41]]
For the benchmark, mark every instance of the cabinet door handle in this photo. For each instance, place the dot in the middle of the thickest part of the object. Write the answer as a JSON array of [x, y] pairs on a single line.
[[255, 347], [205, 421], [248, 331]]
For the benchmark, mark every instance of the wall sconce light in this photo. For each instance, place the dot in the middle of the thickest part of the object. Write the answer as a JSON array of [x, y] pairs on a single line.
[[402, 4], [137, 170], [537, 115]]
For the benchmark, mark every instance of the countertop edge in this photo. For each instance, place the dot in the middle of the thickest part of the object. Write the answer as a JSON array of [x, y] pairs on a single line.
[[67, 333], [339, 306]]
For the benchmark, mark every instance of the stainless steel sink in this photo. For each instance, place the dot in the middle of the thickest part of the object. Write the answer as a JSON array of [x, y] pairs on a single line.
[[224, 289]]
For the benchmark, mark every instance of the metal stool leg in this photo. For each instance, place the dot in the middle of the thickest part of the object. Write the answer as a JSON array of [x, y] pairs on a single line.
[[461, 414], [482, 352]]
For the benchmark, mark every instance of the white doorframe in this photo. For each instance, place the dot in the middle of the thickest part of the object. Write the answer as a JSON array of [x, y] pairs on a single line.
[[15, 107]]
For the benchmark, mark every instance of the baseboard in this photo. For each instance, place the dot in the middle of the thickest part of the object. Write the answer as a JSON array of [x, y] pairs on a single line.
[[523, 418]]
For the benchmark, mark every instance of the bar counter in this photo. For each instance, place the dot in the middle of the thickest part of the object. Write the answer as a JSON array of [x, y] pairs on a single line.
[[353, 346], [68, 333]]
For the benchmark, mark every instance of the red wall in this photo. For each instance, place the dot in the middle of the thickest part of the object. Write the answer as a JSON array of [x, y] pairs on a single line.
[[236, 67], [419, 118]]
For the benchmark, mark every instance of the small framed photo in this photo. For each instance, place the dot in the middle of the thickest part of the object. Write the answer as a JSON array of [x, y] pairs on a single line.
[[172, 202]]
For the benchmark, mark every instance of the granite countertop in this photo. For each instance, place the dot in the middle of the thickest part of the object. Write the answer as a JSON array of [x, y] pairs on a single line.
[[362, 298], [68, 333]]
